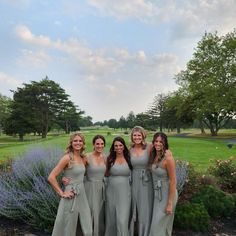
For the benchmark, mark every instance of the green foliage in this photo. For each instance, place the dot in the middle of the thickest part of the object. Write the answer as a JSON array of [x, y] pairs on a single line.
[[210, 80], [225, 172], [215, 201], [191, 216], [38, 106]]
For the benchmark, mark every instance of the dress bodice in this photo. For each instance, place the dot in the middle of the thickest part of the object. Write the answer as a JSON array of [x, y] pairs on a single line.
[[120, 170], [94, 171], [159, 173], [75, 172], [140, 162]]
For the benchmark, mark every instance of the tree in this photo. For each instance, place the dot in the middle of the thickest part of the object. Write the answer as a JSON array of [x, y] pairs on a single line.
[[210, 79], [5, 103], [143, 119], [156, 110], [69, 117], [112, 123], [36, 107], [122, 123], [178, 111], [130, 120], [85, 121]]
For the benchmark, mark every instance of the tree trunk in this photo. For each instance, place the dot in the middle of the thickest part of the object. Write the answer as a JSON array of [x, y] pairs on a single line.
[[21, 137], [202, 127]]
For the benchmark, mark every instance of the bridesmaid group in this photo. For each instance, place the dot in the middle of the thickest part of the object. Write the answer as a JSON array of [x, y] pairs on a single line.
[[130, 192]]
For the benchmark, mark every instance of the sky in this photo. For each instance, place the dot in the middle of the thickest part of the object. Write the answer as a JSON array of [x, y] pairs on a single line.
[[110, 56]]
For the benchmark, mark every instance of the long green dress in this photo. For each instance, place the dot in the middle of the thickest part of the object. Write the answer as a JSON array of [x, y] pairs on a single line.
[[162, 223], [142, 194], [70, 210], [95, 191], [118, 201]]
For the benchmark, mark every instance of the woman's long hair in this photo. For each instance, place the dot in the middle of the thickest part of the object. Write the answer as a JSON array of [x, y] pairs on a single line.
[[69, 148], [165, 146], [112, 156]]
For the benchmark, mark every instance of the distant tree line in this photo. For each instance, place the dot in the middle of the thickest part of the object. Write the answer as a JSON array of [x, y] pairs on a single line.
[[206, 98]]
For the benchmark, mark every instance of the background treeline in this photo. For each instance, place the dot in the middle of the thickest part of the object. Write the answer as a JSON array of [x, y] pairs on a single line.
[[205, 98]]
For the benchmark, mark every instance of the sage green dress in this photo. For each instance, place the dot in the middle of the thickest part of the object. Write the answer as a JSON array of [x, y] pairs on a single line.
[[142, 194], [118, 201], [70, 210], [95, 191], [162, 223]]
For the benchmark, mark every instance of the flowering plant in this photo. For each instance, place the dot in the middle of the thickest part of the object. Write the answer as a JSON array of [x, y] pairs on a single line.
[[225, 172], [25, 192]]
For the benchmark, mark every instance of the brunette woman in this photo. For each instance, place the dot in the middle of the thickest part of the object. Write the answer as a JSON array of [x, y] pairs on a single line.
[[118, 191], [164, 184], [94, 184], [73, 203]]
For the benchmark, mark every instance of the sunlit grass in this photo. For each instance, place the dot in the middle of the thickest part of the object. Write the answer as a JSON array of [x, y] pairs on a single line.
[[195, 148]]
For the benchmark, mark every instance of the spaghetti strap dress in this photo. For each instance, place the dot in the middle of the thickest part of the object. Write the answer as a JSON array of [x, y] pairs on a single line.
[[162, 223], [70, 210], [142, 194], [118, 201], [95, 191]]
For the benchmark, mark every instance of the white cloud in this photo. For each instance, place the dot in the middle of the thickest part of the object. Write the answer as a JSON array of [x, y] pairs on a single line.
[[125, 9], [188, 18], [114, 77], [8, 80], [25, 34], [37, 59]]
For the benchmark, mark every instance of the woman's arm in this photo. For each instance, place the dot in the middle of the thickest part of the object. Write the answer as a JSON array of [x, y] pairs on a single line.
[[170, 166], [52, 178]]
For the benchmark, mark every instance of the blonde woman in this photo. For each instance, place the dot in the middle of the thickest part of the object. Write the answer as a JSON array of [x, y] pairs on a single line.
[[142, 191], [73, 204]]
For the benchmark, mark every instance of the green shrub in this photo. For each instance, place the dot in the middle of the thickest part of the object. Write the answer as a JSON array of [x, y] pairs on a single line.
[[192, 216], [215, 201], [225, 172], [234, 199]]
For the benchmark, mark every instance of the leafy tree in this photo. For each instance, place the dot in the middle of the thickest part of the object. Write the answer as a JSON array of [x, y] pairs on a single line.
[[130, 120], [178, 111], [69, 117], [85, 121], [143, 119], [122, 123], [5, 103], [37, 106], [112, 123], [156, 110], [210, 79]]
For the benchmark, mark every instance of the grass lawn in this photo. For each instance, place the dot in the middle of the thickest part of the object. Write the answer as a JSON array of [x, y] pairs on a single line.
[[197, 150]]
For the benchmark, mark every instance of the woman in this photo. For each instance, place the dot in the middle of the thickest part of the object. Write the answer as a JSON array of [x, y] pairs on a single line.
[[94, 185], [73, 203], [142, 191], [164, 183], [118, 190]]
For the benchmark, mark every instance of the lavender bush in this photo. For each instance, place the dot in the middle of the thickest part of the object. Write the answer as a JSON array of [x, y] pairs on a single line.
[[25, 192], [182, 168]]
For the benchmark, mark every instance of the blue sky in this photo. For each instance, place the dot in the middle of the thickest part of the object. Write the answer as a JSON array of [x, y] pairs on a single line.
[[110, 56]]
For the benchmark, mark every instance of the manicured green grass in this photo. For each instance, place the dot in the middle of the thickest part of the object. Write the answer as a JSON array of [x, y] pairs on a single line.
[[197, 150]]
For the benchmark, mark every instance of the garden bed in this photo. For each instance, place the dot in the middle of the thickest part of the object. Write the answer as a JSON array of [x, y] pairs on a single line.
[[222, 227]]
